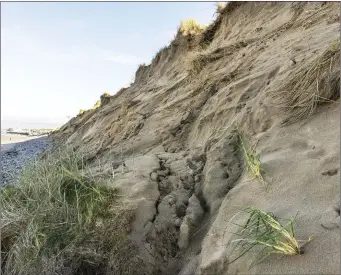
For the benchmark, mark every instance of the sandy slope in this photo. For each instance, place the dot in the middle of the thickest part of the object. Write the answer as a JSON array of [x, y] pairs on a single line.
[[175, 131], [301, 164]]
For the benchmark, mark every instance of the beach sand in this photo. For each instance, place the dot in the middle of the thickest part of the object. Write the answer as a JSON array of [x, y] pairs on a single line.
[[9, 141]]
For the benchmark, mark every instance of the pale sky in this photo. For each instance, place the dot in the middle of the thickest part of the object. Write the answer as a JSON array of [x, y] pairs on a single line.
[[59, 57]]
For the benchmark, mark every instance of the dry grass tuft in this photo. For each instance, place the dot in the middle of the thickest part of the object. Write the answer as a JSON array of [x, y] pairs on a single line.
[[314, 85], [55, 130], [191, 27], [81, 111], [263, 230], [220, 7], [195, 62], [103, 99], [58, 219], [252, 159], [97, 105], [106, 95], [157, 56]]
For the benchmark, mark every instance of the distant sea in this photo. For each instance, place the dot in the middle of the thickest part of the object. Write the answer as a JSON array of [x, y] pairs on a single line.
[[5, 124]]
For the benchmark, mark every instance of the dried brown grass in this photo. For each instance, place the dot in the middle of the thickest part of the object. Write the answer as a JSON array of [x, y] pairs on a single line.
[[316, 84], [194, 62], [220, 7], [191, 27]]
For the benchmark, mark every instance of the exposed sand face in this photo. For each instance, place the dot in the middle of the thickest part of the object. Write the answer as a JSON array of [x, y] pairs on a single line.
[[164, 109], [296, 161]]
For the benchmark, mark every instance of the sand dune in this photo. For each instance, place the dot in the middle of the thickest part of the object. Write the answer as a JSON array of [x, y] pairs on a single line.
[[260, 72]]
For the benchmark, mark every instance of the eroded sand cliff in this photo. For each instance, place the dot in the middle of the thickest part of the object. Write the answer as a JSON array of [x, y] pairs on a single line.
[[268, 70]]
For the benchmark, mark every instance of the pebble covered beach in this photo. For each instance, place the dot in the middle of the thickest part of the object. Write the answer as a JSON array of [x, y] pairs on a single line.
[[14, 156]]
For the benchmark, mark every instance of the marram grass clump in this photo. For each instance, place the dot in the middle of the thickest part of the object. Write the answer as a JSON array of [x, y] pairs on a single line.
[[191, 27], [58, 219], [97, 105], [220, 6], [81, 111], [252, 159], [313, 85], [106, 95], [263, 230]]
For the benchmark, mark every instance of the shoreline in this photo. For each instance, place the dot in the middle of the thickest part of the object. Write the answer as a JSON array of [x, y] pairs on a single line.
[[29, 133], [10, 141], [16, 152]]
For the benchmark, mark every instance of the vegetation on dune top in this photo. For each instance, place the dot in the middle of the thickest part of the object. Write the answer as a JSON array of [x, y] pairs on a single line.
[[81, 111], [106, 95], [220, 6], [97, 104], [191, 27]]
